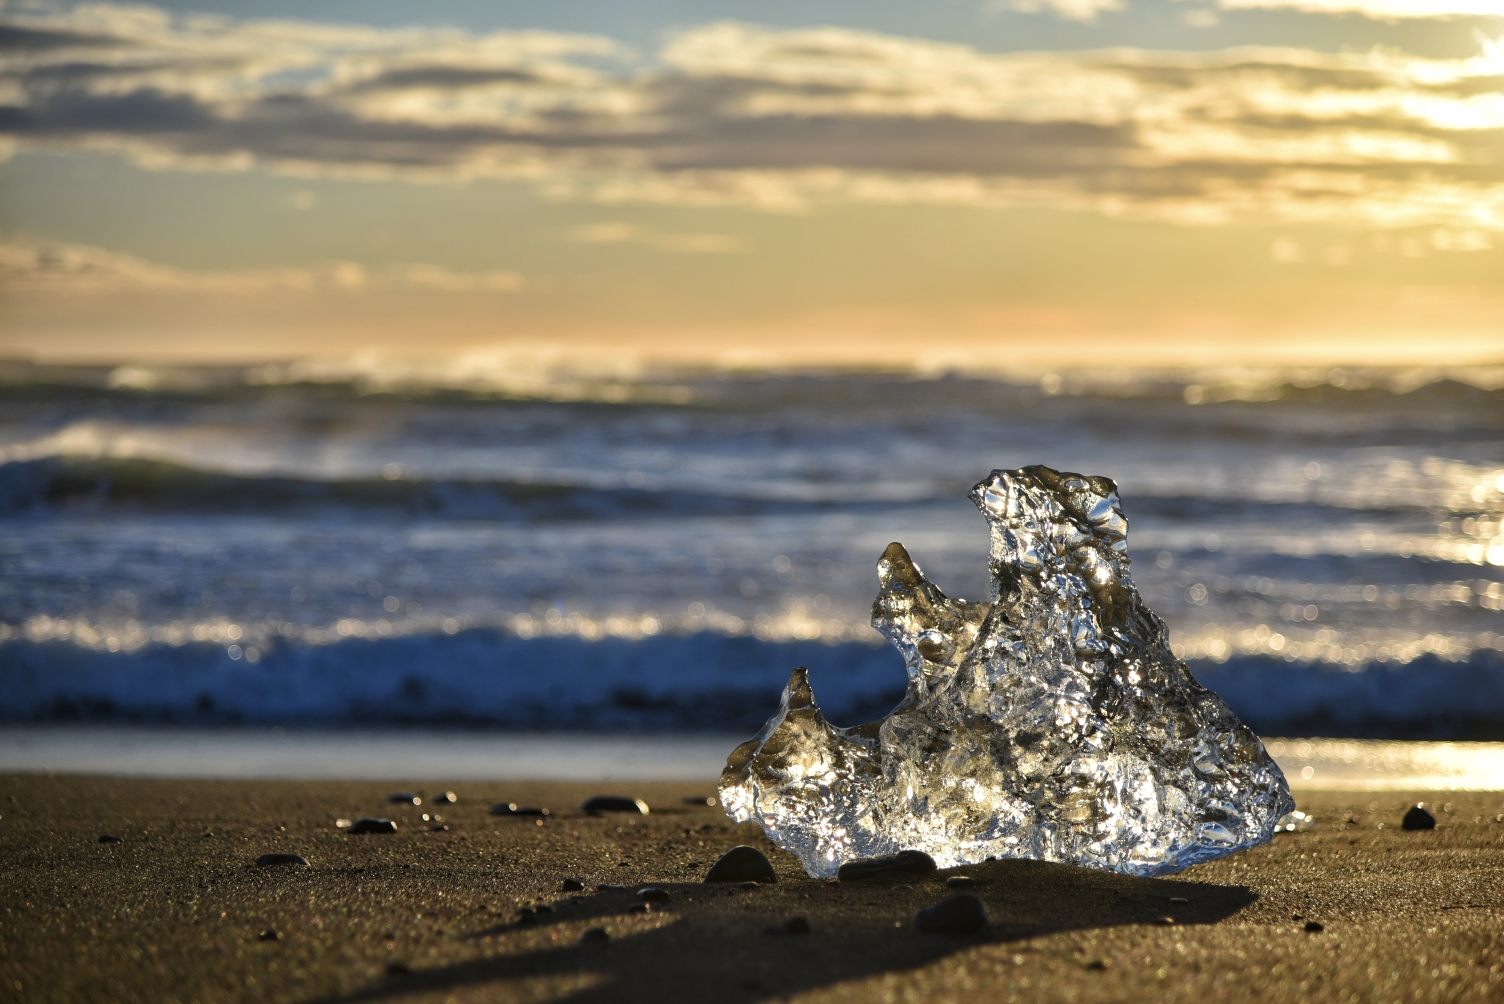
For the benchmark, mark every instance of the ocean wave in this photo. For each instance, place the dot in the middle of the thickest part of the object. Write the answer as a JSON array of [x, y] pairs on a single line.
[[697, 682], [593, 375]]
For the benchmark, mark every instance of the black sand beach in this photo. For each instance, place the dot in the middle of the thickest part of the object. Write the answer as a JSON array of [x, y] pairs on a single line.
[[178, 909]]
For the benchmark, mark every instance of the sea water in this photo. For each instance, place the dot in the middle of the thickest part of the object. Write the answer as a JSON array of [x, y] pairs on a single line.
[[273, 545]]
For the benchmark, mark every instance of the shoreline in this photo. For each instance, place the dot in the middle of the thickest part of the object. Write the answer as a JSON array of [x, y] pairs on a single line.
[[177, 909]]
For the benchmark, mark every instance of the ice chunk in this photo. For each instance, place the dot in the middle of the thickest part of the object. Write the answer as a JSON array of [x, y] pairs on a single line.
[[1052, 722]]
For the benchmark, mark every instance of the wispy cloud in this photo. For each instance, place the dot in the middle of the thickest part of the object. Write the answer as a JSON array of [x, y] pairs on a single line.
[[615, 232], [73, 269], [731, 113], [1383, 10], [1074, 10]]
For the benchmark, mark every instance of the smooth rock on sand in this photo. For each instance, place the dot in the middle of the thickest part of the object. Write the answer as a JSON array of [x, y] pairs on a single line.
[[1418, 819], [958, 914], [601, 804], [367, 824], [909, 862], [742, 864]]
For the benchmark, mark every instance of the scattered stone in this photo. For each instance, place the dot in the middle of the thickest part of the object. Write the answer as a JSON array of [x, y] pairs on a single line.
[[366, 824], [796, 925], [1096, 965], [699, 800], [639, 908], [268, 935], [610, 887], [602, 804], [108, 838], [1312, 927], [596, 934], [448, 796], [572, 885], [439, 828], [398, 969], [961, 882], [746, 885], [742, 864], [915, 862], [271, 860], [405, 797], [1178, 899], [652, 894], [1166, 921], [1418, 819], [962, 913], [513, 809]]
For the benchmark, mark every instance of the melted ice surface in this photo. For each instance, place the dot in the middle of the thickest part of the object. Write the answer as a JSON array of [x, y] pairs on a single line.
[[1052, 722]]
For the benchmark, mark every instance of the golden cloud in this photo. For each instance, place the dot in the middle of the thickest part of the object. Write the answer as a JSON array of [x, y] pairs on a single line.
[[73, 269], [735, 114]]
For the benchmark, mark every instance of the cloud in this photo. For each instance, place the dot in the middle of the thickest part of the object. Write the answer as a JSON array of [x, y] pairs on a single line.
[[612, 232], [1073, 10], [1382, 10], [735, 114], [74, 269]]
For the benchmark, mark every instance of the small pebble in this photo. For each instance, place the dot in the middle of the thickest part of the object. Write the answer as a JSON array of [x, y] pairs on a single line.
[[1178, 899], [269, 860], [268, 935], [1167, 921], [448, 796], [916, 862], [1096, 964], [439, 828], [595, 934], [513, 809], [796, 925], [109, 838], [958, 914], [366, 824], [572, 885], [602, 804], [638, 908], [746, 885], [961, 882], [699, 800], [742, 864], [652, 894], [610, 887], [1313, 927], [398, 969], [405, 797], [1418, 819]]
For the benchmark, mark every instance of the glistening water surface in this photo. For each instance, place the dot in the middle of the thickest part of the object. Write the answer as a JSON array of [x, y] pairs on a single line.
[[235, 545]]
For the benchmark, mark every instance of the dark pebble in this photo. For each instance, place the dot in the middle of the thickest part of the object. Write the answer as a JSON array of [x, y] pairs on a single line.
[[916, 862], [652, 894], [742, 864], [699, 800], [268, 860], [595, 934], [1166, 921], [638, 908], [796, 925], [398, 969], [572, 885], [1418, 819], [610, 887], [602, 804], [961, 882], [448, 797], [1096, 965], [439, 828], [109, 838], [405, 797], [1313, 927], [268, 935], [958, 914], [513, 809], [746, 885], [365, 824]]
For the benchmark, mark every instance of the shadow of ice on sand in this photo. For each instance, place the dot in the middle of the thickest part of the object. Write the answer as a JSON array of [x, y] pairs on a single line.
[[729, 944]]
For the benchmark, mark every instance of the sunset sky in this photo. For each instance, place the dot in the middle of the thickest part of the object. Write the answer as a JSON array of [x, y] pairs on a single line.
[[953, 183]]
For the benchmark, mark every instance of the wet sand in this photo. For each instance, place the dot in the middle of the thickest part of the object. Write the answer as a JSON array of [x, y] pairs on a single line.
[[179, 911]]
